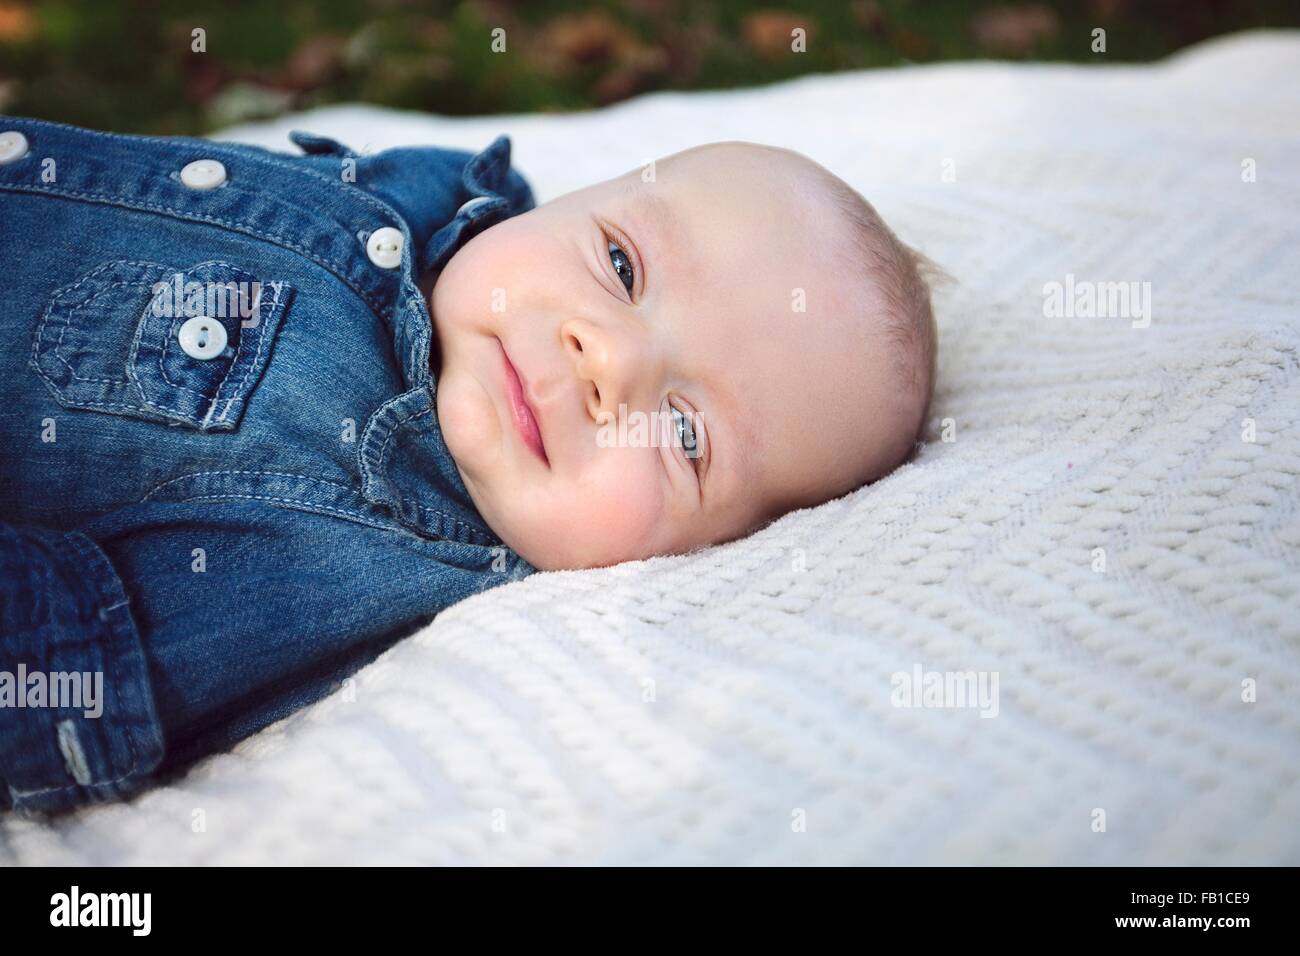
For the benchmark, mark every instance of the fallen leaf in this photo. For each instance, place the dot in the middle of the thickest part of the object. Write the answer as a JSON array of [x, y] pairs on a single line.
[[769, 33], [16, 23], [1014, 31]]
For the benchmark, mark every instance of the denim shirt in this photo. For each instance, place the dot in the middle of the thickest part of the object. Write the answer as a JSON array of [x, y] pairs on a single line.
[[223, 488]]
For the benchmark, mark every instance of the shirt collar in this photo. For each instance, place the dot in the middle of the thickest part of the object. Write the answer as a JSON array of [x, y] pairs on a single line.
[[406, 465]]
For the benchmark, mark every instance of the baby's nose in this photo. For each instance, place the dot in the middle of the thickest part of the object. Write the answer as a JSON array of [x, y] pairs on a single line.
[[605, 360]]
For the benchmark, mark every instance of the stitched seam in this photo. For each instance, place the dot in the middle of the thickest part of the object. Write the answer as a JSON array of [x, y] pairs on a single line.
[[116, 658], [486, 171], [366, 455], [104, 268], [163, 411], [79, 403], [255, 362], [215, 220], [67, 323], [314, 507], [464, 528], [308, 505], [393, 431], [274, 161], [261, 474], [56, 300]]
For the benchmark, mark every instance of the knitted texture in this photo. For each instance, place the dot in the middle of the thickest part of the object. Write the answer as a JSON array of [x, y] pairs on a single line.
[[1111, 529]]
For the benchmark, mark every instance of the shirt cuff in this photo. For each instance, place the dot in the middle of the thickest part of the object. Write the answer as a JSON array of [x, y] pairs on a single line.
[[77, 717]]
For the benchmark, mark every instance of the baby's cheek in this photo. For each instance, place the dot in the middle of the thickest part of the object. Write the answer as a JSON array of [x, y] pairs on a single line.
[[605, 518], [618, 522], [497, 268], [469, 423]]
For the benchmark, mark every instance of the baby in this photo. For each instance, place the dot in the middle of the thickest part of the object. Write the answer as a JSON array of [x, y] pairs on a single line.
[[743, 292], [262, 415]]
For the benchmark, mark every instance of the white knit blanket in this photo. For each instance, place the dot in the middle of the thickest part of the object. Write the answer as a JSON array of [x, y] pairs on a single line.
[[1104, 535]]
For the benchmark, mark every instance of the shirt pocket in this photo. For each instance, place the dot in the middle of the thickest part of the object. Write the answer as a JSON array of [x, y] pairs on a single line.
[[147, 340]]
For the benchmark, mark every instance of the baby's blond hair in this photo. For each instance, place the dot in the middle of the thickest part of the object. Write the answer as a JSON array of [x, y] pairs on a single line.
[[902, 276]]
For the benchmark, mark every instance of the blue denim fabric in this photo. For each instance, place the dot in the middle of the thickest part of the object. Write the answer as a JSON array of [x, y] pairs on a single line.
[[223, 538]]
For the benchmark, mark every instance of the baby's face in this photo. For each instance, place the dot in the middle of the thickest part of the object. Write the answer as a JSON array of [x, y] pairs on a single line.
[[724, 304]]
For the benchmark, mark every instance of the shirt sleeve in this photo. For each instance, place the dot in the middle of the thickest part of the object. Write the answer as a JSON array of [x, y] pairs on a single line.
[[208, 620], [77, 720]]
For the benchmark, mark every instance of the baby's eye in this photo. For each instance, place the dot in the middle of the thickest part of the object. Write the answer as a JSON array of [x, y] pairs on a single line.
[[622, 264], [686, 437]]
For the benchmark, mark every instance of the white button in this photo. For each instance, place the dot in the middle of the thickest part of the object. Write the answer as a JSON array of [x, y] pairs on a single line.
[[203, 174], [202, 338], [13, 147], [476, 201], [385, 247]]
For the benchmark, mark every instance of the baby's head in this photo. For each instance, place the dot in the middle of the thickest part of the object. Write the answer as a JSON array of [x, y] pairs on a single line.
[[702, 345]]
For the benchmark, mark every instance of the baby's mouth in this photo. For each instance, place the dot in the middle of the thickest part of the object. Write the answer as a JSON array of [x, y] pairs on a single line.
[[521, 412]]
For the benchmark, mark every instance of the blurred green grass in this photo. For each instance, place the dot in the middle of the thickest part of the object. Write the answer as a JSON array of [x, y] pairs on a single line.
[[129, 66]]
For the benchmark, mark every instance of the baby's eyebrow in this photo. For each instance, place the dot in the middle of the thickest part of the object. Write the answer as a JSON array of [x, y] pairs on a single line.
[[658, 207], [657, 215]]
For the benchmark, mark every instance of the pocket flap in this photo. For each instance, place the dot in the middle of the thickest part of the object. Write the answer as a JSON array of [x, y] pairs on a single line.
[[116, 341]]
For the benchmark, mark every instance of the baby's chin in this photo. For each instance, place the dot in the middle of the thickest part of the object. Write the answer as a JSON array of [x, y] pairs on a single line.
[[555, 553], [469, 423]]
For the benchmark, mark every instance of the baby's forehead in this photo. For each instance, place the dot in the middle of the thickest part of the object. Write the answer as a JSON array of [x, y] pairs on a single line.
[[752, 173], [719, 246], [709, 233]]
